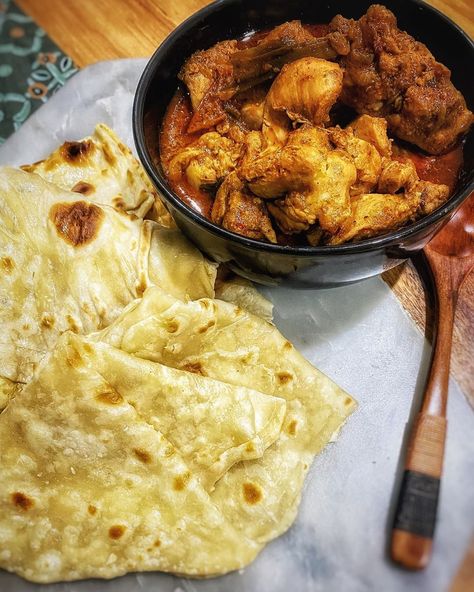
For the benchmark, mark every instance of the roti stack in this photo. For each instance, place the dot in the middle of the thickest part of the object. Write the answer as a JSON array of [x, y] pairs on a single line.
[[147, 424], [70, 264]]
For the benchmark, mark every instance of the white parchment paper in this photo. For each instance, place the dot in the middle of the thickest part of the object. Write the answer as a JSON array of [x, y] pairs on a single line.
[[361, 337]]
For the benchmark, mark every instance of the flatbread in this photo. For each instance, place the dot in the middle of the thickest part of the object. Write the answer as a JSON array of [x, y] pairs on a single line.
[[243, 293], [213, 424], [104, 170], [69, 264], [224, 342], [90, 487]]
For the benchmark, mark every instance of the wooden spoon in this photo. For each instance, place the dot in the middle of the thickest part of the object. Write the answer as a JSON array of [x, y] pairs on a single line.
[[450, 255]]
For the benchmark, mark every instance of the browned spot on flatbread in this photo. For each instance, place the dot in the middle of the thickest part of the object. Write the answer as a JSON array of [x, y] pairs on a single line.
[[284, 377], [83, 187], [194, 367], [250, 447], [92, 510], [109, 396], [204, 328], [74, 358], [292, 427], [26, 327], [288, 345], [141, 286], [157, 543], [204, 303], [180, 481], [22, 501], [30, 168], [169, 451], [247, 358], [347, 401], [76, 152], [7, 264], [142, 455], [117, 531], [87, 348], [123, 148], [119, 203], [77, 223], [71, 323], [252, 493], [172, 326], [108, 155], [47, 322]]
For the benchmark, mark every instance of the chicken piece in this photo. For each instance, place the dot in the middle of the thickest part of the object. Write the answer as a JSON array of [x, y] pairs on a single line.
[[251, 152], [374, 131], [248, 107], [315, 235], [304, 91], [218, 73], [251, 113], [205, 73], [316, 178], [389, 74], [397, 176], [401, 177], [365, 157], [326, 200], [429, 195], [376, 213], [272, 172], [203, 68], [231, 131], [207, 161], [241, 212]]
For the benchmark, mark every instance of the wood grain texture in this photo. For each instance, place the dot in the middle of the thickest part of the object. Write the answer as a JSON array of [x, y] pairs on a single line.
[[426, 451], [94, 30], [411, 550]]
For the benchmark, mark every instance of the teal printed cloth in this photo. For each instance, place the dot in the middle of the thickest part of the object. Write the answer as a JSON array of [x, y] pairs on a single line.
[[32, 68]]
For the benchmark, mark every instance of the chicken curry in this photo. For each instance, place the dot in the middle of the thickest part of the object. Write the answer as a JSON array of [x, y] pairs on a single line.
[[315, 134]]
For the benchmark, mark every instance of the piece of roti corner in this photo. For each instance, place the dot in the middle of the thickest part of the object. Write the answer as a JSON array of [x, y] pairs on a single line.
[[103, 170]]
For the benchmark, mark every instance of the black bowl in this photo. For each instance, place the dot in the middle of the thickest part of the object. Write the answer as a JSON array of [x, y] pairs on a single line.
[[309, 267]]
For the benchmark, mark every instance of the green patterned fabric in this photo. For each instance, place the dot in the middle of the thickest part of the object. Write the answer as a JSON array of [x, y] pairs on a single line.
[[32, 68]]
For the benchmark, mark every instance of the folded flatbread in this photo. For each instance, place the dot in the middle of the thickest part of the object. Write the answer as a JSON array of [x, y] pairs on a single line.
[[69, 264], [104, 170], [95, 480], [224, 342], [243, 293]]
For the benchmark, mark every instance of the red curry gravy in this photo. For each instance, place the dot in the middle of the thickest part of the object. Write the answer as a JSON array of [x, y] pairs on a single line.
[[174, 136]]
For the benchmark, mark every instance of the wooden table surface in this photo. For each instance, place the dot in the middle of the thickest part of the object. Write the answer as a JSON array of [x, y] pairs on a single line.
[[94, 30]]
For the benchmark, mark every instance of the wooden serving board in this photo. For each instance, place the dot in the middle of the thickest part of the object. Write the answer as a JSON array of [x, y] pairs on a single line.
[[93, 30]]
